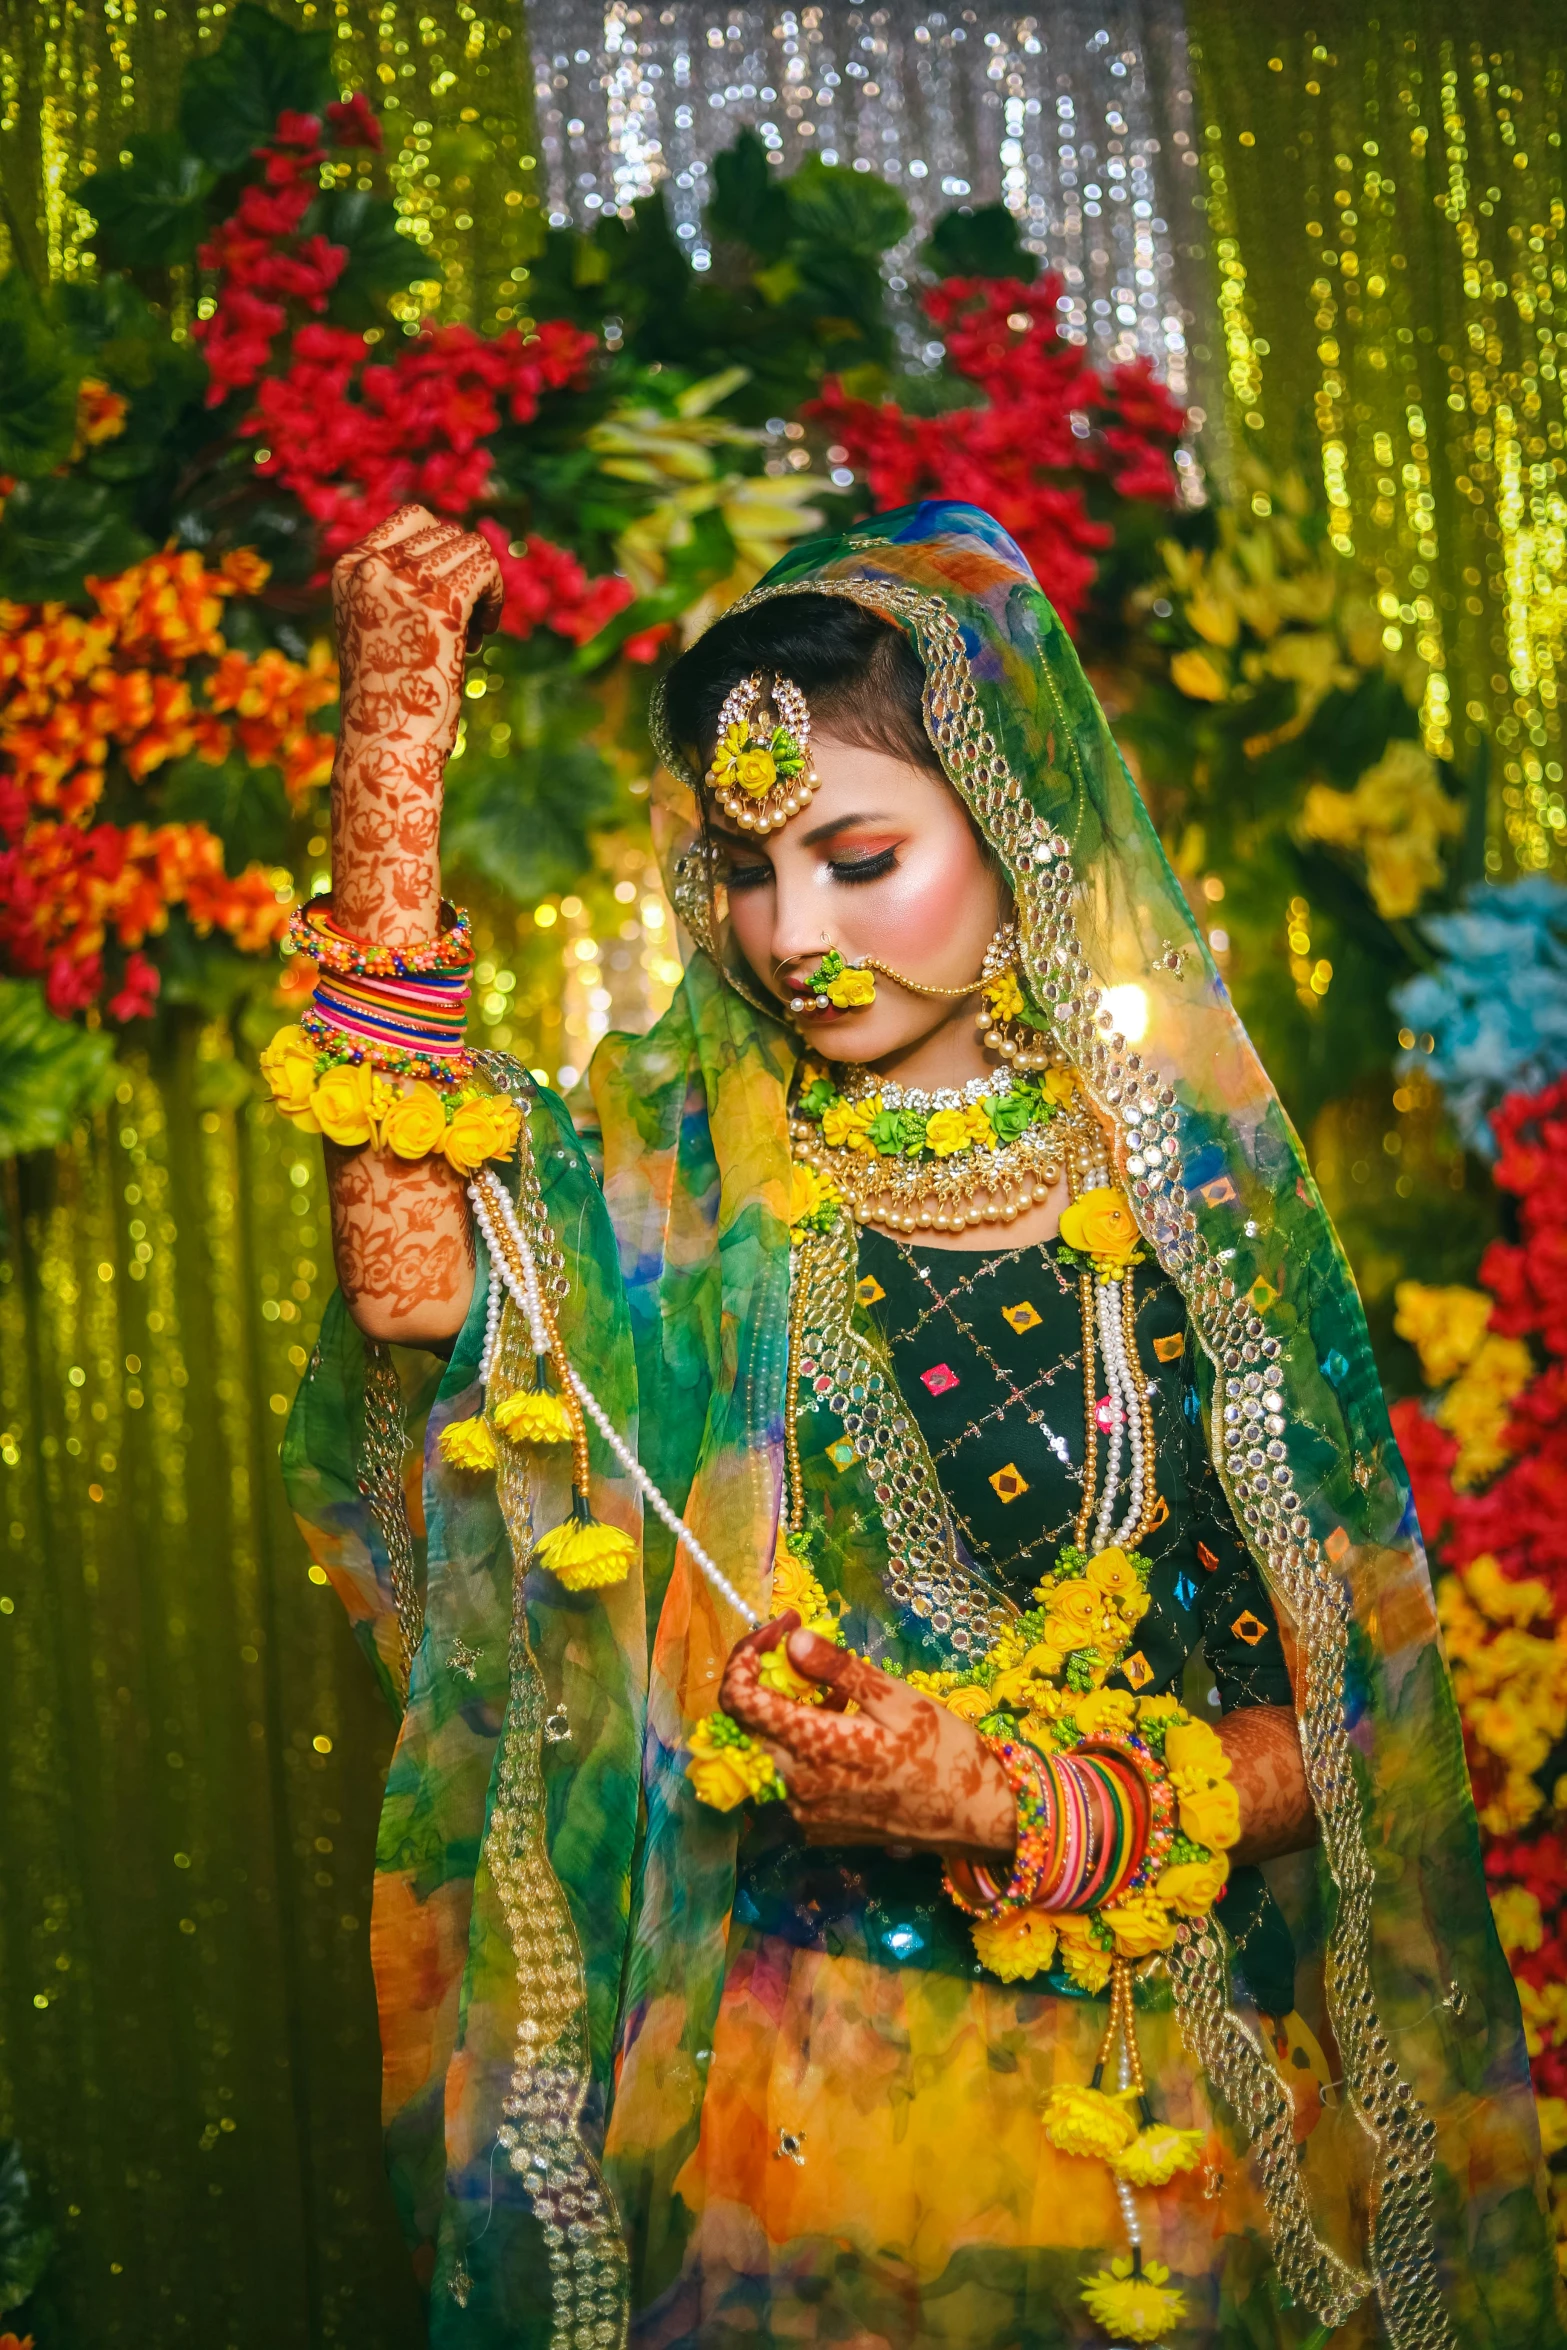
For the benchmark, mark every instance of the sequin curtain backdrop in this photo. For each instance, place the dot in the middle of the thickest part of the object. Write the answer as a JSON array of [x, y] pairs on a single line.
[[1386, 202], [1079, 118]]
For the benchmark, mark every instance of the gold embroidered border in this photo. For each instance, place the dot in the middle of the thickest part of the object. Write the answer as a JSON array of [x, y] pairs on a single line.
[[380, 1472], [1267, 1504], [540, 2131]]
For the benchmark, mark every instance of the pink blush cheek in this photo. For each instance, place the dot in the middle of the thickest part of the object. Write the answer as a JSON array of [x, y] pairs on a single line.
[[937, 895]]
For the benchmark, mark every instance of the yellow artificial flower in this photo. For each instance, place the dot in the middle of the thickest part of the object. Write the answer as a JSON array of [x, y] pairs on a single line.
[[1018, 1944], [1105, 1712], [1478, 1406], [725, 1774], [415, 1124], [844, 1123], [1210, 1815], [727, 750], [777, 1673], [808, 1192], [1396, 818], [970, 1704], [1004, 996], [1112, 1571], [468, 1444], [1519, 1923], [1079, 2120], [1154, 1712], [484, 1127], [1156, 2154], [794, 1586], [1083, 1955], [1193, 1746], [980, 1131], [1100, 1225], [1193, 1886], [1194, 675], [1444, 1326], [1059, 1086], [584, 1555], [1141, 1924], [340, 1106], [1134, 2308], [289, 1067], [756, 771], [1078, 1609], [533, 1416], [947, 1131], [851, 990]]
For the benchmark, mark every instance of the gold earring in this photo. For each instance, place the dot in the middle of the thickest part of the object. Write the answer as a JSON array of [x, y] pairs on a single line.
[[1007, 1025]]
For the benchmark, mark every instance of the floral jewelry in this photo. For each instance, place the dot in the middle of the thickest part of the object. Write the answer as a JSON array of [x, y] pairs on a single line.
[[762, 771], [851, 985]]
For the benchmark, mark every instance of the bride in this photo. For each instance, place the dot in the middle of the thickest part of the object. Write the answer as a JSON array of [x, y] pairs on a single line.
[[928, 1806]]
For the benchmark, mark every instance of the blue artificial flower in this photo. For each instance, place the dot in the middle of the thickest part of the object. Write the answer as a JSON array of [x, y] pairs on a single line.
[[1496, 1005]]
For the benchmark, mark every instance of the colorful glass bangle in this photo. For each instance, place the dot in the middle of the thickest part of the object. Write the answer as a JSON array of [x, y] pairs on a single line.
[[313, 932], [1027, 1778]]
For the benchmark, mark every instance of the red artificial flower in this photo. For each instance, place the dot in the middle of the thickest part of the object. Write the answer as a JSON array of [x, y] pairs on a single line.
[[352, 122], [138, 992]]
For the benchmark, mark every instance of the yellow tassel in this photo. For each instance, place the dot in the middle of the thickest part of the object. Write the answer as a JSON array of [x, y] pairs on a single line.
[[583, 1553], [1156, 2154], [1087, 2121], [468, 1444], [534, 1417]]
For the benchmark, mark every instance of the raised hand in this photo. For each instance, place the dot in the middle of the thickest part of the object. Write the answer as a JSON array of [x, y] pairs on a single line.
[[901, 1770], [409, 602]]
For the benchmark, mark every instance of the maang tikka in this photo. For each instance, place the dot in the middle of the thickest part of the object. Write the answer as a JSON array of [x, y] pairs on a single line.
[[762, 771]]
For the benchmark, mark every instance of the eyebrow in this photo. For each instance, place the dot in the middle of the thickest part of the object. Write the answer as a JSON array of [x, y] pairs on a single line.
[[839, 824]]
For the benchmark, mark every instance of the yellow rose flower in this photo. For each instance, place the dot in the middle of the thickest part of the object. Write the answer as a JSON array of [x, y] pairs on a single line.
[[1132, 1606], [1209, 1815], [340, 1106], [1194, 1747], [1059, 1086], [1194, 675], [1112, 1571], [1105, 1712], [776, 1673], [1193, 1886], [844, 1123], [415, 1124], [947, 1131], [756, 772], [794, 1586], [1079, 1610], [1085, 1958], [1087, 2121], [852, 990], [1100, 1224], [1140, 1925], [1017, 1945], [808, 1191], [1154, 1712], [969, 1704], [289, 1067], [980, 1131], [725, 1770], [483, 1128]]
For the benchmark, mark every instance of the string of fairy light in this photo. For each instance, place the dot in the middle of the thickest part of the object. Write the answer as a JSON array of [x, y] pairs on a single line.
[[1386, 203]]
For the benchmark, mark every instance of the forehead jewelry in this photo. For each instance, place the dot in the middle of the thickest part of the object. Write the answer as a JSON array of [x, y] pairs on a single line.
[[762, 771]]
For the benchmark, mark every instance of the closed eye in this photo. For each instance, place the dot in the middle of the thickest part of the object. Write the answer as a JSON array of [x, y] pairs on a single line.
[[853, 869], [747, 876]]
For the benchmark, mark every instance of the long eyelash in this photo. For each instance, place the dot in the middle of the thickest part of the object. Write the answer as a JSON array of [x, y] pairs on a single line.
[[854, 869], [747, 876]]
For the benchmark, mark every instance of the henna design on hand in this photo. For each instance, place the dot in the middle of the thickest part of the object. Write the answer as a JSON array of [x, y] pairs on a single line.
[[901, 1770], [408, 602], [1269, 1774], [403, 1244]]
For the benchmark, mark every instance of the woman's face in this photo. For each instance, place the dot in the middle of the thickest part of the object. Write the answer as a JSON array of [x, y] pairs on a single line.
[[882, 862]]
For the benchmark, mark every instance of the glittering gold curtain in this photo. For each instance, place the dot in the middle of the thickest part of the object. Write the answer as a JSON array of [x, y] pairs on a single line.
[[190, 1748], [1385, 192], [451, 79]]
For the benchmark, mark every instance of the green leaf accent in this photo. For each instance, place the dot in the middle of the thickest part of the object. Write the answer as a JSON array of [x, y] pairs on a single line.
[[523, 822], [231, 97], [844, 211], [151, 211], [983, 242], [749, 205], [245, 806], [39, 373], [51, 1073], [381, 260], [54, 533], [818, 1096]]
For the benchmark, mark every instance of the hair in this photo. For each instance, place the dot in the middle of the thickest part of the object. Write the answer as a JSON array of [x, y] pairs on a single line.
[[862, 678]]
